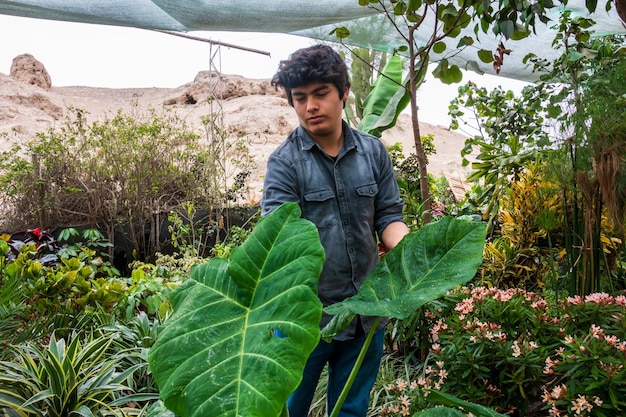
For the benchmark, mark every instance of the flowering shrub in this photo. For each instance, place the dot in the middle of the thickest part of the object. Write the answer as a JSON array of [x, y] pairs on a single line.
[[514, 351], [411, 396], [586, 373]]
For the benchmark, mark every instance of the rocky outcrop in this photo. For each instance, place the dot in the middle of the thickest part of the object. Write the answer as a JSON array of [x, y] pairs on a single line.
[[209, 85], [27, 69]]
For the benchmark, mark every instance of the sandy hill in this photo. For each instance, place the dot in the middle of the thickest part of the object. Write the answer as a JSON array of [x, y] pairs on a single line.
[[249, 107]]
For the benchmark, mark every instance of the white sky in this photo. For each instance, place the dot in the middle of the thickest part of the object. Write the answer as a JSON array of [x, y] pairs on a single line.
[[117, 57]]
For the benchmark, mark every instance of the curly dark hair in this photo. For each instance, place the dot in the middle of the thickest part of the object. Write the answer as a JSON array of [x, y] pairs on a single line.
[[306, 65]]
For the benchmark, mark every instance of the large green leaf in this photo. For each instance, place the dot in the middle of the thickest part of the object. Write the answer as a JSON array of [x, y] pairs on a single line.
[[386, 100], [423, 267], [217, 354]]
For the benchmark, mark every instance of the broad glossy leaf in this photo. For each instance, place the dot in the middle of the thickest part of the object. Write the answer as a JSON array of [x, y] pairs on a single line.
[[386, 100], [217, 355], [423, 267]]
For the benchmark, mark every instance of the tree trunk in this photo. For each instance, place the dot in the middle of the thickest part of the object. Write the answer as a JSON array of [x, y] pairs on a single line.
[[419, 149]]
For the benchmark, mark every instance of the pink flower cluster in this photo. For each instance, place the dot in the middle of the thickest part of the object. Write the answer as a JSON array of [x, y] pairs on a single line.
[[596, 351], [600, 298], [580, 405], [403, 394]]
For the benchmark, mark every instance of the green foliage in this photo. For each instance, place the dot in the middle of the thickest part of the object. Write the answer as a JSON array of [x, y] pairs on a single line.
[[529, 220], [407, 174], [132, 342], [186, 236], [96, 174], [576, 87], [568, 123], [12, 304], [364, 65], [500, 347], [386, 100], [236, 236], [244, 291], [421, 268], [53, 296], [511, 135], [510, 19], [64, 380], [421, 398], [587, 372], [148, 289], [92, 248], [36, 300], [270, 283], [403, 389]]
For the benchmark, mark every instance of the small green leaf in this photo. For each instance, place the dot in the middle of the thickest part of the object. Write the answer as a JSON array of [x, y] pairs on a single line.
[[452, 401], [473, 66], [465, 41], [341, 32], [414, 5], [441, 68], [439, 47], [520, 33], [574, 56], [453, 75], [485, 56], [400, 8], [507, 28], [591, 5]]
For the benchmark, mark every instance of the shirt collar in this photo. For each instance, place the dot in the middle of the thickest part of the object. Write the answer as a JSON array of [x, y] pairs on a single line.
[[308, 143]]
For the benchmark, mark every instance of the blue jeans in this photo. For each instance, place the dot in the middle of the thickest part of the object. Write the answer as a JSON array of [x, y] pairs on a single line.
[[340, 357]]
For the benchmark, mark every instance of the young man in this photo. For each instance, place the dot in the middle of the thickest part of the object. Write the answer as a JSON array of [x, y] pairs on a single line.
[[344, 183]]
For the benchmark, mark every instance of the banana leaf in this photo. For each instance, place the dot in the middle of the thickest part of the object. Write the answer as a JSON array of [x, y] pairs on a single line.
[[421, 268], [217, 355], [386, 100]]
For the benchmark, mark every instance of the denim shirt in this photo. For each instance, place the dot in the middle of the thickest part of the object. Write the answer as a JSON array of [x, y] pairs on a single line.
[[350, 199]]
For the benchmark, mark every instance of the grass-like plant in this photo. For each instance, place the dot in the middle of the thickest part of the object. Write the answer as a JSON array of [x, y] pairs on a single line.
[[66, 379]]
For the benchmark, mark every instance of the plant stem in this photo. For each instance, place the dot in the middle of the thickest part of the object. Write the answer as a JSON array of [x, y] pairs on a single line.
[[355, 369]]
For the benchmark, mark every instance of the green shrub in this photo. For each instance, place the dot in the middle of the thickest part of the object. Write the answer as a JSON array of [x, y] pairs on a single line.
[[75, 295], [67, 379], [130, 170], [512, 349]]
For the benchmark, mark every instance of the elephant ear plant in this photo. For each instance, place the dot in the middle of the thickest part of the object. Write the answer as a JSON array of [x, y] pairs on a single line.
[[423, 267], [217, 354]]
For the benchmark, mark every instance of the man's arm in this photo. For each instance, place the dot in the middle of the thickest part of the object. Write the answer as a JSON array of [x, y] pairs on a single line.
[[393, 234], [280, 185]]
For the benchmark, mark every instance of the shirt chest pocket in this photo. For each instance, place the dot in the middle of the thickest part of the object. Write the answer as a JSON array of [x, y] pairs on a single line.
[[320, 207], [366, 197]]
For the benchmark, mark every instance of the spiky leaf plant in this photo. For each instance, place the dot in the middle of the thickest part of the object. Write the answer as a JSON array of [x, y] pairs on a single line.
[[63, 380]]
